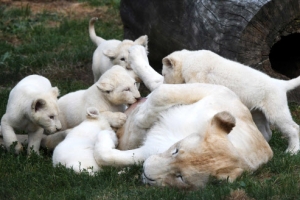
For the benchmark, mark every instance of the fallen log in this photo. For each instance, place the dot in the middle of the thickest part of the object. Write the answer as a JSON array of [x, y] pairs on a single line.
[[264, 34]]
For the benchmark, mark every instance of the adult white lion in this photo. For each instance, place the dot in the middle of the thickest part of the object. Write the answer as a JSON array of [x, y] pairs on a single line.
[[32, 107], [184, 133]]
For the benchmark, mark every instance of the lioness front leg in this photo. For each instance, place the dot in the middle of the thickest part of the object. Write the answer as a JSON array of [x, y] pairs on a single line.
[[106, 154], [9, 135], [140, 65], [168, 95], [51, 141]]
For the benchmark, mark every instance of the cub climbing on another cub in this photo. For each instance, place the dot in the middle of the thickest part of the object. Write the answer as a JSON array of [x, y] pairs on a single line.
[[32, 107], [112, 52]]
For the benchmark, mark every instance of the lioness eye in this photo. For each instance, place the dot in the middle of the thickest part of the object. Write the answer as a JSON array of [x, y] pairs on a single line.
[[175, 152], [51, 117], [127, 89], [123, 59], [107, 91], [179, 176]]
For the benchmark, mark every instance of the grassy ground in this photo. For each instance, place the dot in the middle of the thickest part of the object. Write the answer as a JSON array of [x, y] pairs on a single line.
[[51, 39]]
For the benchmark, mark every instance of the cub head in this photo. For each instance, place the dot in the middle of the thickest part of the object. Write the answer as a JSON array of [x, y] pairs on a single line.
[[118, 87], [189, 163], [119, 56], [44, 110], [172, 67], [93, 115]]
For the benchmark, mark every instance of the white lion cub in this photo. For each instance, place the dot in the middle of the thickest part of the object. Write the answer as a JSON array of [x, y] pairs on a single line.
[[76, 150], [32, 107], [258, 91], [111, 52], [109, 95]]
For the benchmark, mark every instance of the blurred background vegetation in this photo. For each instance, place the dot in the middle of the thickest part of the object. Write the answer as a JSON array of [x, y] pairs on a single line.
[[50, 38]]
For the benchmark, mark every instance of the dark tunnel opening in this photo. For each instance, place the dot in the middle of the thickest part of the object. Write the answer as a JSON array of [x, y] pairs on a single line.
[[285, 55]]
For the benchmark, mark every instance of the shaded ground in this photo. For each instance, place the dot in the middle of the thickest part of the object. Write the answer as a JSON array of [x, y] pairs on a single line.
[[70, 10]]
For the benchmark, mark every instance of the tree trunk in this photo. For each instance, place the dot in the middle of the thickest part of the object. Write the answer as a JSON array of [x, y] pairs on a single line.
[[245, 31]]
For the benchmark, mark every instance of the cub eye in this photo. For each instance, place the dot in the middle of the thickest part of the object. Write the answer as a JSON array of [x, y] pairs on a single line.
[[51, 116], [123, 59], [175, 152], [108, 91]]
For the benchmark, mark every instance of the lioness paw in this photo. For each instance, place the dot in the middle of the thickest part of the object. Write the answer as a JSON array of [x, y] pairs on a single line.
[[138, 58]]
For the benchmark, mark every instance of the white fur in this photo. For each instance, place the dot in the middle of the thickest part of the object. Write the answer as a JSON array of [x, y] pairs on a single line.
[[109, 95], [76, 150], [111, 52], [169, 125], [179, 117], [32, 107], [257, 90]]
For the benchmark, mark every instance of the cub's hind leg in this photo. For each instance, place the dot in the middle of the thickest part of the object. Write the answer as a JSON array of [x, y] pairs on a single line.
[[280, 116]]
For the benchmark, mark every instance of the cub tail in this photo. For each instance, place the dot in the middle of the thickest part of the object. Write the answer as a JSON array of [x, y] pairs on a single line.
[[96, 39], [292, 84]]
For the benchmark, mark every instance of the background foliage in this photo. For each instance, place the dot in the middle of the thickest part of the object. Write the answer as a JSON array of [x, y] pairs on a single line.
[[51, 38]]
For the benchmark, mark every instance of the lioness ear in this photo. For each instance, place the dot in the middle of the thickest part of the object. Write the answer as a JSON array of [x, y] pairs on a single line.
[[110, 53], [169, 62], [105, 87], [38, 104], [143, 40], [223, 121], [55, 91], [92, 113]]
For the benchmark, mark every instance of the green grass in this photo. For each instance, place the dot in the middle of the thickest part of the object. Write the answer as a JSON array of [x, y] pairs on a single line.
[[59, 48]]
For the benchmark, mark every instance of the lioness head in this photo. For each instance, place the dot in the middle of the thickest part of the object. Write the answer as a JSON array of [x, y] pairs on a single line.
[[172, 67], [119, 56], [45, 111], [118, 87], [189, 163]]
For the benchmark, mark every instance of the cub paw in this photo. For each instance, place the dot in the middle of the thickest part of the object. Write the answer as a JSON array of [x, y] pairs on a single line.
[[118, 120], [18, 148]]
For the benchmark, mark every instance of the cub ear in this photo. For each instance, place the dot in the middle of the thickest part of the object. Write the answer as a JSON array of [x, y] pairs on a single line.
[[55, 91], [105, 87], [38, 104], [111, 54], [92, 113], [143, 40], [169, 62], [223, 121]]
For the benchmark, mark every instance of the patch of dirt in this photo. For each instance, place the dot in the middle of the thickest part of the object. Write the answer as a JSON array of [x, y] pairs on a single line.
[[70, 9]]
